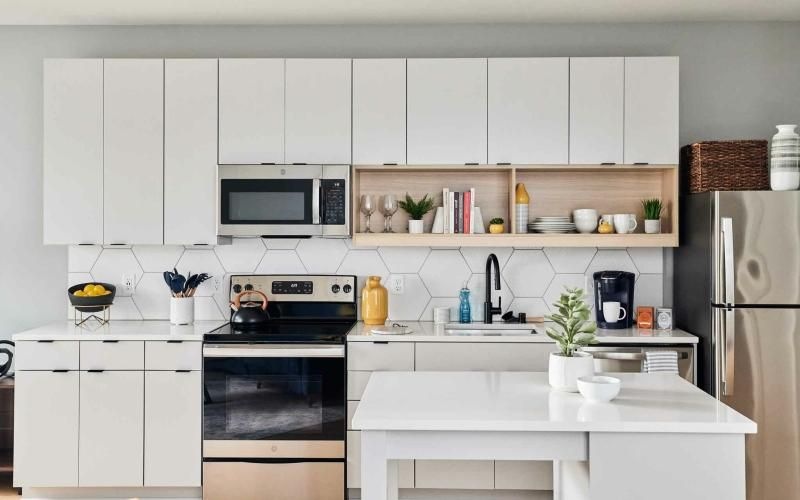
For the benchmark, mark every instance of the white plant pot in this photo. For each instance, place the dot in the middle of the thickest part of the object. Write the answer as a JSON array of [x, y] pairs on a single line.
[[415, 226], [652, 226], [563, 371], [181, 310]]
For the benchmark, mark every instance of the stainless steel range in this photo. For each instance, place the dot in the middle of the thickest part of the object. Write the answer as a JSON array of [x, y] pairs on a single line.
[[275, 411]]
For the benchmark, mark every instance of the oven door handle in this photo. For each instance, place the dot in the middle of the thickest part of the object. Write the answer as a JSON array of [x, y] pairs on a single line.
[[272, 351]]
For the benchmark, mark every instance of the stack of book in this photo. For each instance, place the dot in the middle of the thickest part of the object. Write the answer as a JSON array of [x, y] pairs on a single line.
[[459, 208]]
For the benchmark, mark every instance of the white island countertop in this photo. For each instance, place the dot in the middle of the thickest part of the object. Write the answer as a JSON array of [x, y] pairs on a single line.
[[524, 401], [427, 331], [119, 330]]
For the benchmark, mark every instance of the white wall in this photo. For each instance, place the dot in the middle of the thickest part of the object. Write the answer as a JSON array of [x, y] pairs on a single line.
[[737, 80]]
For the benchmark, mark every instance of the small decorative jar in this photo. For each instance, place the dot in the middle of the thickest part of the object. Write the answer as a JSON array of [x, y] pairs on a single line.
[[374, 302], [784, 164]]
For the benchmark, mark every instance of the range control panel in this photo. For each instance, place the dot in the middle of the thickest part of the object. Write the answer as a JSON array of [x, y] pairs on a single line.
[[296, 288]]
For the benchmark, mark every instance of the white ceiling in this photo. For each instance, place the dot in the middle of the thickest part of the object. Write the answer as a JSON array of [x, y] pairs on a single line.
[[101, 12]]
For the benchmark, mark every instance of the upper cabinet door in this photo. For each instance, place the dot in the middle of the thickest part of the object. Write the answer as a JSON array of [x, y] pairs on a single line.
[[596, 89], [446, 111], [73, 151], [190, 151], [529, 110], [651, 110], [251, 110], [379, 111], [134, 151], [318, 109]]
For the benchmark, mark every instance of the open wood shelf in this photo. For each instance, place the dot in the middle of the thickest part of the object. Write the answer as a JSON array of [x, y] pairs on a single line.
[[529, 240], [553, 189]]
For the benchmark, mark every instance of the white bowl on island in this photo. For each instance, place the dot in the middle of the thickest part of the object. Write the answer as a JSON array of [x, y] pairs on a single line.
[[599, 388]]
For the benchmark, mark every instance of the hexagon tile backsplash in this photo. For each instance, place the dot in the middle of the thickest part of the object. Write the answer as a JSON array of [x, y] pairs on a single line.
[[531, 278]]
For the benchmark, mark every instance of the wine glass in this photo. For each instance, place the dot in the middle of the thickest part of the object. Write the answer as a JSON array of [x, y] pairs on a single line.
[[367, 208], [389, 208]]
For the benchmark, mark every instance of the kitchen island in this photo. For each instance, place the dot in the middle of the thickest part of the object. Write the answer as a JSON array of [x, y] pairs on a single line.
[[661, 439]]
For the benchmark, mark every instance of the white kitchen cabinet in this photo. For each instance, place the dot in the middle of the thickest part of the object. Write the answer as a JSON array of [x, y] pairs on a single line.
[[484, 356], [46, 429], [111, 449], [596, 91], [46, 355], [73, 151], [651, 110], [112, 355], [379, 111], [133, 165], [380, 356], [190, 151], [318, 111], [251, 111], [172, 428], [528, 110], [523, 475], [446, 117]]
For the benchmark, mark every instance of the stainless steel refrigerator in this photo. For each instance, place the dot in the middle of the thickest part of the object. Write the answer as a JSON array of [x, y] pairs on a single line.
[[737, 286]]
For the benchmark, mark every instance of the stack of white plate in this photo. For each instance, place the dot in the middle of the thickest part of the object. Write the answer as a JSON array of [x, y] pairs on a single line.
[[552, 225]]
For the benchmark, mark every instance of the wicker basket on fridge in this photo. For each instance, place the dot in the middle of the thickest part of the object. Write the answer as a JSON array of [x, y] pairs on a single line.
[[725, 166]]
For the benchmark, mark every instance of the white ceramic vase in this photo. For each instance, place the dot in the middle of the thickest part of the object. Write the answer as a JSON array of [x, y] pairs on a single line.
[[652, 226], [438, 221], [181, 310], [563, 371], [784, 163], [415, 226]]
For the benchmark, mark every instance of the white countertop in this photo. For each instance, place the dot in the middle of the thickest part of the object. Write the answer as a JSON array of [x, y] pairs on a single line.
[[523, 401], [427, 331], [119, 330]]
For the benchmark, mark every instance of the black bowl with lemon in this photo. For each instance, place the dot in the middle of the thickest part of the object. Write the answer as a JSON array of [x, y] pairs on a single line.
[[91, 297]]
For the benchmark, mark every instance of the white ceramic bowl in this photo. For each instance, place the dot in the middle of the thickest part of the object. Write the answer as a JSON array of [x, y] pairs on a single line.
[[599, 388], [586, 226]]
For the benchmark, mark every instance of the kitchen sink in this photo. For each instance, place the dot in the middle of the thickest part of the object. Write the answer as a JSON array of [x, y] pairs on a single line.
[[492, 329]]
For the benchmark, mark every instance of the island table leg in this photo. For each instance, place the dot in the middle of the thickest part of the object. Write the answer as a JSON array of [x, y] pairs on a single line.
[[378, 473]]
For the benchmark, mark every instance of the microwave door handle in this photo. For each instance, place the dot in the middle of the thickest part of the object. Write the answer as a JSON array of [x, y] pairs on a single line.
[[315, 200]]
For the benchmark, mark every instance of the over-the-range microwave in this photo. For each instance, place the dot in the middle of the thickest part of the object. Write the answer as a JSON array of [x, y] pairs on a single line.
[[284, 200]]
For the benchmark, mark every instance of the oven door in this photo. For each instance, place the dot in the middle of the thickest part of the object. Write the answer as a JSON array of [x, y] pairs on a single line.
[[258, 200], [268, 401]]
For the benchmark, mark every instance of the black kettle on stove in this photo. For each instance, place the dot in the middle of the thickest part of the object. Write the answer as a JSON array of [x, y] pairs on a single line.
[[5, 367], [250, 313]]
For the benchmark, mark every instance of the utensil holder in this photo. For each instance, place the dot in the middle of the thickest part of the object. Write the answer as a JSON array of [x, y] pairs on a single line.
[[181, 310]]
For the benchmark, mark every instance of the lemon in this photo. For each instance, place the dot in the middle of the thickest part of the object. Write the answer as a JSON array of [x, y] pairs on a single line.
[[88, 288], [107, 292], [80, 293], [99, 289]]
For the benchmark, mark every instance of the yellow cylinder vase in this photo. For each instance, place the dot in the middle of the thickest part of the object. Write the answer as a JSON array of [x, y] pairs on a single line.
[[374, 302]]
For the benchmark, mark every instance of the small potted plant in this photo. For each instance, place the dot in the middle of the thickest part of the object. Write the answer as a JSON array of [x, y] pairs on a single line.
[[576, 331], [497, 225], [652, 215], [416, 210]]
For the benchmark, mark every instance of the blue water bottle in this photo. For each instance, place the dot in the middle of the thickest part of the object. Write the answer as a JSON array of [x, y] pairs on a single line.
[[464, 309]]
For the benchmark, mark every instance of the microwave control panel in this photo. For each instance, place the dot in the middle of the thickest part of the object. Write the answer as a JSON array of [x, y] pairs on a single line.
[[333, 201]]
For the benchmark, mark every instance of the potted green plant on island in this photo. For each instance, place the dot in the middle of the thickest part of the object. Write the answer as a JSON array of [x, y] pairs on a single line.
[[575, 330], [497, 226], [416, 210], [652, 215]]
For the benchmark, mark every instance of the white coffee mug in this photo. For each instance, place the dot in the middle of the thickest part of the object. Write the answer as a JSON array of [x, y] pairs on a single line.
[[613, 312], [624, 223]]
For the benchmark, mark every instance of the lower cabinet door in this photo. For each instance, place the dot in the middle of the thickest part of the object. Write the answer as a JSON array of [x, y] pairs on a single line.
[[523, 475], [111, 428], [172, 428], [454, 474], [46, 429], [405, 467]]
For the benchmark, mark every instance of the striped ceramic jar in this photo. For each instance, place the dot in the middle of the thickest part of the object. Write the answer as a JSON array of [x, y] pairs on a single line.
[[784, 164]]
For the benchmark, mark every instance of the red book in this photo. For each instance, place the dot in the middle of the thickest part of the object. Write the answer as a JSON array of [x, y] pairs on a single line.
[[467, 213]]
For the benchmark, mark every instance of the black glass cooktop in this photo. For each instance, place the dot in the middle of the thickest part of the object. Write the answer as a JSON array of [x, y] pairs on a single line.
[[284, 332]]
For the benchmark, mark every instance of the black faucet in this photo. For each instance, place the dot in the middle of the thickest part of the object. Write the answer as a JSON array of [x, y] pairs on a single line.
[[488, 308]]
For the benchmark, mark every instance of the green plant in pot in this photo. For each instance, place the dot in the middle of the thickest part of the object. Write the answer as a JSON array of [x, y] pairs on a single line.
[[574, 329], [497, 226], [652, 208], [416, 210]]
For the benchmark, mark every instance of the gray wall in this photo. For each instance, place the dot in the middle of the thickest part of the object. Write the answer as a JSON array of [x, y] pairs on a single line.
[[737, 80]]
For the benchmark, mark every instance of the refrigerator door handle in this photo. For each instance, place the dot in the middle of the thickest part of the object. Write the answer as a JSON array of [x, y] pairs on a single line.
[[727, 259]]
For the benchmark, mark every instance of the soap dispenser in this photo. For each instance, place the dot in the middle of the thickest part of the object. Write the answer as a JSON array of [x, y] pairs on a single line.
[[464, 308]]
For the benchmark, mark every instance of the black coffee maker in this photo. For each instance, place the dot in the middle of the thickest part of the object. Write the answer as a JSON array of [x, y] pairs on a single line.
[[614, 286]]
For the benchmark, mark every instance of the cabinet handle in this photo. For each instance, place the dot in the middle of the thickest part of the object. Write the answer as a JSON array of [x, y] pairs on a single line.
[[59, 371], [299, 163], [174, 341], [111, 341], [117, 244], [608, 163], [504, 163], [380, 341], [95, 371], [390, 163], [641, 163], [183, 371], [268, 163], [45, 341], [472, 163]]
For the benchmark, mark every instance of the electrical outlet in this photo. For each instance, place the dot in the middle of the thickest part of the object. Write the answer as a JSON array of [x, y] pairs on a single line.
[[217, 281], [397, 284], [128, 284]]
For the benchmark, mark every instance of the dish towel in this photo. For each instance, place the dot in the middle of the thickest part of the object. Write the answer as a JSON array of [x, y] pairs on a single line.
[[660, 362]]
